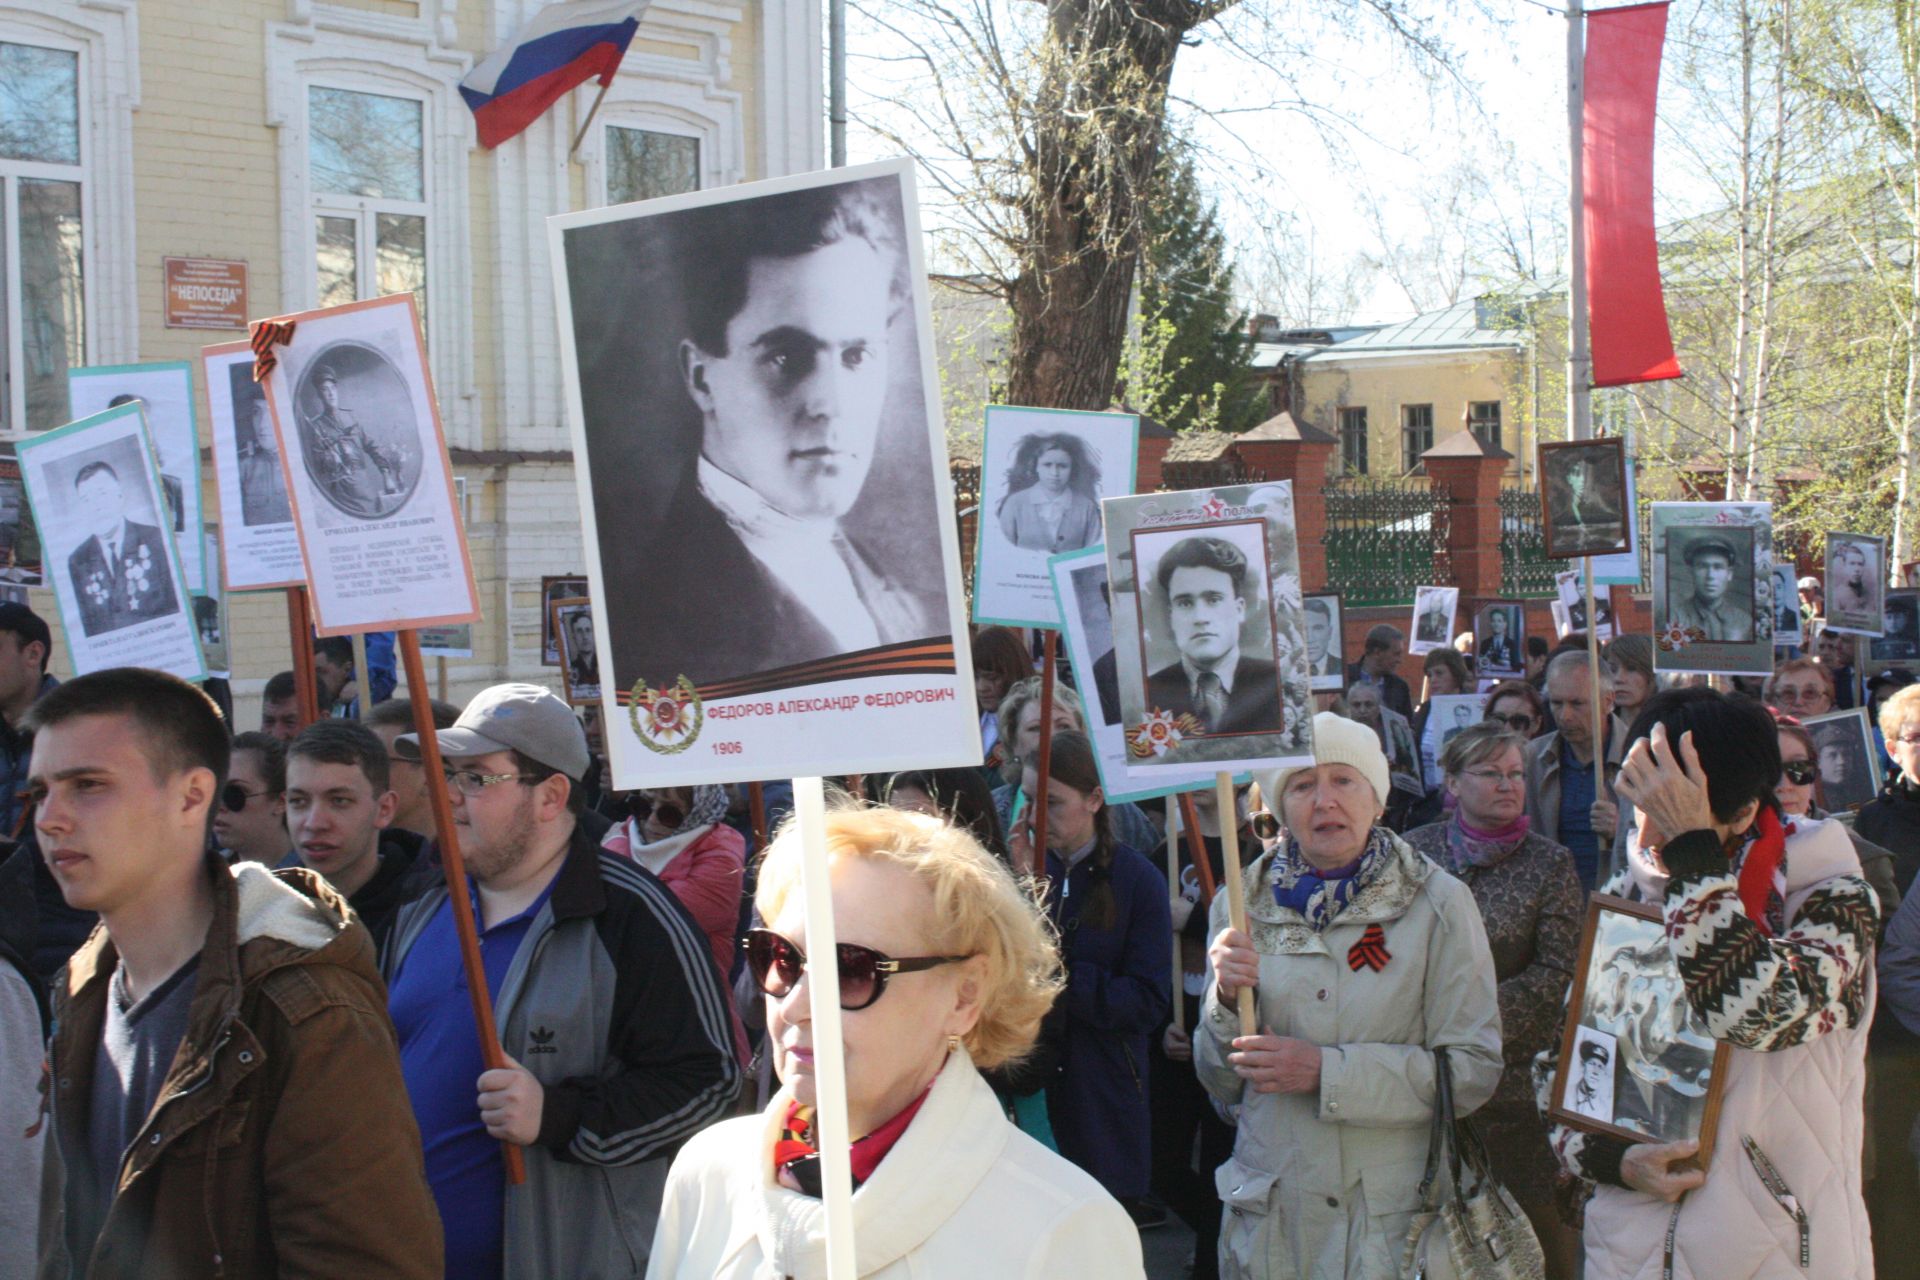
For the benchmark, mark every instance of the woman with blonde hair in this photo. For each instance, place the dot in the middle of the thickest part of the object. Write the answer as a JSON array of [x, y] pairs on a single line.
[[946, 967]]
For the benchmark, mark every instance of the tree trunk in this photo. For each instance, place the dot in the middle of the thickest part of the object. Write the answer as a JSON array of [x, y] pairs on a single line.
[[1736, 392], [1769, 254]]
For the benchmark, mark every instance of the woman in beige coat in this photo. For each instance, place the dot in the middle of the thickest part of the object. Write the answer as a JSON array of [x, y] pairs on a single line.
[[1364, 958]]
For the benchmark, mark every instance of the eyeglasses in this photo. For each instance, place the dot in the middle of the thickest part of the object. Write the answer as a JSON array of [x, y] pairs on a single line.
[[1494, 778], [235, 797], [1519, 720], [1801, 773], [777, 963], [665, 812], [469, 783]]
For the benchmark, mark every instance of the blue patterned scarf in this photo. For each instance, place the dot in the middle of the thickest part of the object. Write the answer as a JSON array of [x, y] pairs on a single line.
[[1320, 896]]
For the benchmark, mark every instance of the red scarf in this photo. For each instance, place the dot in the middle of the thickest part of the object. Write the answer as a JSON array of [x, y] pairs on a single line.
[[1760, 869], [799, 1141]]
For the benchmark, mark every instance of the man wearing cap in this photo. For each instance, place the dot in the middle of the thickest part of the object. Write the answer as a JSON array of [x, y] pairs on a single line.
[[610, 1008], [1705, 599], [355, 472]]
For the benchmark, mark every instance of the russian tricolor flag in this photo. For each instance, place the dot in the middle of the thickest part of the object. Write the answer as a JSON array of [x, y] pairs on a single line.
[[565, 45]]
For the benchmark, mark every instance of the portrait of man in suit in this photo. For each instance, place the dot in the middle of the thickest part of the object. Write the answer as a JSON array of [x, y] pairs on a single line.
[[583, 660], [1323, 655], [120, 574], [1499, 645], [1204, 590]]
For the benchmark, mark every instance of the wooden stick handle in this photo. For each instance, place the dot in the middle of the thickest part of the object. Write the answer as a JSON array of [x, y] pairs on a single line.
[[1236, 890], [455, 870], [300, 632], [1593, 669], [1173, 897], [757, 811], [1197, 847]]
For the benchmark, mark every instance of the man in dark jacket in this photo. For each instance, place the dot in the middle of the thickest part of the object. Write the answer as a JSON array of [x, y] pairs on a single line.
[[225, 1087], [339, 808], [1386, 645], [603, 986]]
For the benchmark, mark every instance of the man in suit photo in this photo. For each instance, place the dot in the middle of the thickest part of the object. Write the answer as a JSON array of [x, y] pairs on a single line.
[[1323, 657], [1204, 592], [120, 573], [790, 305], [1500, 650], [176, 506]]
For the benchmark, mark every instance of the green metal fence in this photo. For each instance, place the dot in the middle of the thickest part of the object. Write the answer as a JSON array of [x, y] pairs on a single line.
[[1525, 571], [1384, 538]]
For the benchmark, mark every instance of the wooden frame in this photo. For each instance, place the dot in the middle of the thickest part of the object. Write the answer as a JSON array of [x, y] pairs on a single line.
[[555, 587], [1598, 908], [1554, 464], [576, 695]]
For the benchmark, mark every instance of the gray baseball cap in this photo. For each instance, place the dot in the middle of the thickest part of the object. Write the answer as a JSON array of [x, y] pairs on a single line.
[[512, 717]]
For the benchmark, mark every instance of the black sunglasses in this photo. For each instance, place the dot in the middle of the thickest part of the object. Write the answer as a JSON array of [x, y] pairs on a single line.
[[235, 797], [665, 812], [1519, 720], [1801, 773], [777, 964]]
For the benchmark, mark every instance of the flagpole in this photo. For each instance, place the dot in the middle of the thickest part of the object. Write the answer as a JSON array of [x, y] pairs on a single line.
[[1579, 354], [605, 85]]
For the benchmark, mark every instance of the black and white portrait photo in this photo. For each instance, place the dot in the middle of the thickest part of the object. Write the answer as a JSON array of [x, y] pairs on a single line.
[[1856, 583], [1583, 487], [1326, 652], [260, 546], [1208, 647], [1787, 629], [121, 573], [1052, 499], [1710, 583], [1433, 612], [1500, 639], [263, 487], [359, 438], [1900, 643], [1570, 605], [164, 394], [579, 651], [1590, 1085], [552, 591], [1848, 759]]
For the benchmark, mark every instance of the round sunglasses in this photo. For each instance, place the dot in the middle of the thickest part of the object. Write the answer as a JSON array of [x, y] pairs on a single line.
[[776, 964], [1801, 773], [665, 812], [235, 797]]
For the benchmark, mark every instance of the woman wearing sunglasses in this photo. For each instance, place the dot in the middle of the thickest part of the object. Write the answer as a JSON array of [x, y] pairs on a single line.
[[1799, 776], [1533, 909], [945, 967]]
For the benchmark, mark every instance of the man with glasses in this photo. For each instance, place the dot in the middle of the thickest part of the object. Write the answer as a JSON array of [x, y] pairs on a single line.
[[615, 1008], [250, 823], [1561, 800], [340, 812]]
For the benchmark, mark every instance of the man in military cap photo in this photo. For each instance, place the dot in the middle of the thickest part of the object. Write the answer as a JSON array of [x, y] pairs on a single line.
[[357, 475], [1713, 595]]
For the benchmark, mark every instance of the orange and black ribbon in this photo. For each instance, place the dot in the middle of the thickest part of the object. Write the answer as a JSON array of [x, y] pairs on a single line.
[[265, 336], [1370, 952]]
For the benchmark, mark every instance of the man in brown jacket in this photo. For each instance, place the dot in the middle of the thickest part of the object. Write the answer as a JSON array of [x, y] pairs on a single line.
[[226, 1091]]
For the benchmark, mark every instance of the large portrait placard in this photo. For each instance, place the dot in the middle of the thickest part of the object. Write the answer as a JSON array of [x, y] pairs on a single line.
[[1584, 499], [1856, 583], [115, 570], [1712, 576], [261, 548], [367, 471], [770, 536], [1043, 475], [164, 393], [1898, 644], [1209, 617]]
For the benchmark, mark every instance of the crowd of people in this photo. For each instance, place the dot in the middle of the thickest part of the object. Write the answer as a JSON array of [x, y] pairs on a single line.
[[237, 1035]]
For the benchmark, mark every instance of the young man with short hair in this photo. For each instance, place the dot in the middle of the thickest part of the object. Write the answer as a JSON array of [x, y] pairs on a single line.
[[280, 707], [251, 823], [339, 811], [615, 1007], [413, 810], [225, 1089]]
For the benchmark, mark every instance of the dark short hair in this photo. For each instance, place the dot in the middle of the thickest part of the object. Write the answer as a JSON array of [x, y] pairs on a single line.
[[280, 688], [399, 711], [534, 773], [344, 742], [181, 725], [1204, 553], [336, 649], [93, 469], [1735, 739], [1537, 647], [1320, 607], [125, 397], [1382, 636], [273, 757], [1452, 661], [27, 626], [719, 244]]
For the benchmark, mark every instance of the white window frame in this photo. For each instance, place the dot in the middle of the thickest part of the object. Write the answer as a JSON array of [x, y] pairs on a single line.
[[365, 210], [104, 35], [652, 120]]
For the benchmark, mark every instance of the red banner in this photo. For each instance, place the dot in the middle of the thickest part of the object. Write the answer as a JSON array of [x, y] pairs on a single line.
[[1627, 313]]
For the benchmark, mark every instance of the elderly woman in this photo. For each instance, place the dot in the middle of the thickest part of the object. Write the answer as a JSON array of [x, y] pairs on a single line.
[[1892, 820], [945, 967], [1532, 906], [1800, 687], [1364, 958], [1772, 931], [1799, 774]]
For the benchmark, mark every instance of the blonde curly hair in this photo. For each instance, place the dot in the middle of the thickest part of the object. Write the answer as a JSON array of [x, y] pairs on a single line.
[[978, 909]]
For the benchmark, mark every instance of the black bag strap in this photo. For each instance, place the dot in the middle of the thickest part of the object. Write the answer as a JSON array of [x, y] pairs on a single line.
[[1442, 1138]]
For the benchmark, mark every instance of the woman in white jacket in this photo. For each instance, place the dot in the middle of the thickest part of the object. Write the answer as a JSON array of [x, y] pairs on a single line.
[[945, 966]]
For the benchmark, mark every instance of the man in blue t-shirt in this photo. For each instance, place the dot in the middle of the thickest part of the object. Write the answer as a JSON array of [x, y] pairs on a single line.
[[1561, 798]]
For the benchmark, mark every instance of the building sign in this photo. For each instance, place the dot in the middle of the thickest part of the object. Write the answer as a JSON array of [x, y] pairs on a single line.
[[206, 293]]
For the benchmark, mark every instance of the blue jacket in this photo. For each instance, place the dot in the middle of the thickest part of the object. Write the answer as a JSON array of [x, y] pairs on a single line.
[[1119, 991]]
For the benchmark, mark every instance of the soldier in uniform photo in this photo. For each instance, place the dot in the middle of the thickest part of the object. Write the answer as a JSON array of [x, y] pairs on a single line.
[[1706, 597], [583, 667], [263, 488], [357, 475], [1204, 594], [1500, 650], [120, 573], [1853, 583], [1586, 503], [1434, 620]]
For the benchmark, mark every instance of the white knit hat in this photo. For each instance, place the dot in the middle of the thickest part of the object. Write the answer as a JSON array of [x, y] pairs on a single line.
[[1336, 740]]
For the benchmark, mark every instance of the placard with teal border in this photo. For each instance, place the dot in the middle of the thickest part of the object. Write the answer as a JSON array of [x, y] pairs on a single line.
[[173, 428]]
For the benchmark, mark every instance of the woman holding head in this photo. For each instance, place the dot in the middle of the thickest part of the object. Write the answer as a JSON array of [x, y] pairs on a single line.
[[945, 968], [1053, 494], [1533, 908], [1364, 958]]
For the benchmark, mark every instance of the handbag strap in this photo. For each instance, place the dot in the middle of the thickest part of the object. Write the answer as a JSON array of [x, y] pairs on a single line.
[[1441, 1137]]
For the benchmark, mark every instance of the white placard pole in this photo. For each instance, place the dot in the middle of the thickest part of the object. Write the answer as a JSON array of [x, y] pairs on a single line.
[[829, 1063]]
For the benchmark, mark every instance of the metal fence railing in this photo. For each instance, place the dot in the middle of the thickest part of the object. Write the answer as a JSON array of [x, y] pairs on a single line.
[[1210, 474], [1525, 571], [966, 506], [1384, 538]]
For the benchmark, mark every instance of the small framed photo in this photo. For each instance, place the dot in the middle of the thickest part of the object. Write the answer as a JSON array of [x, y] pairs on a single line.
[[1452, 714], [1636, 1062], [1849, 760], [1583, 496], [1856, 583], [1787, 631], [1326, 656], [1433, 613], [1898, 645], [553, 590], [1500, 639], [1570, 606], [579, 656]]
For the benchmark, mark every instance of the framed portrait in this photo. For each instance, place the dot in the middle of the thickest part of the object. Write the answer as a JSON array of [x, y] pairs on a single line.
[[1584, 502], [1452, 714], [19, 536], [1433, 613], [368, 477], [1043, 475], [1326, 641], [1856, 583], [1087, 631], [1848, 757], [579, 652], [1206, 597], [1712, 576], [1898, 644], [210, 612], [1500, 639], [762, 469], [114, 566], [552, 591], [1784, 600], [164, 393], [1570, 606], [1636, 1062], [261, 548]]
